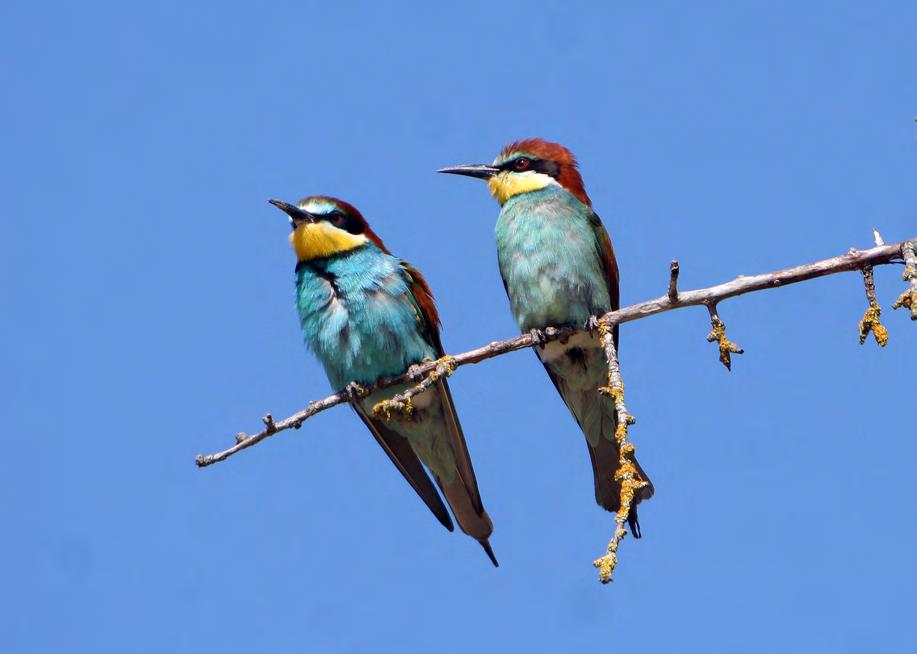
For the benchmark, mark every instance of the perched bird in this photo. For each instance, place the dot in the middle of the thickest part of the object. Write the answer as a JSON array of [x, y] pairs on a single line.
[[559, 269], [367, 314]]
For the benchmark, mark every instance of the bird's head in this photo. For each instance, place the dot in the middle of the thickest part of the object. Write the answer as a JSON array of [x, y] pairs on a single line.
[[324, 226], [526, 166]]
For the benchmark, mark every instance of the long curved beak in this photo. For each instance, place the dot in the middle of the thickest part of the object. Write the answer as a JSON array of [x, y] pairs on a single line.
[[481, 171], [297, 215]]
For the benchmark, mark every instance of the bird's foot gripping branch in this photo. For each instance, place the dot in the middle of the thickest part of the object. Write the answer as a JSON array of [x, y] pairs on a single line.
[[402, 403], [627, 474]]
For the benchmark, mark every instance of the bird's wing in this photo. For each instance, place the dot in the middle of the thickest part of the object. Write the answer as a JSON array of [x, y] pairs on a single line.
[[613, 279], [606, 255], [596, 418], [428, 322], [405, 459], [424, 306], [462, 493]]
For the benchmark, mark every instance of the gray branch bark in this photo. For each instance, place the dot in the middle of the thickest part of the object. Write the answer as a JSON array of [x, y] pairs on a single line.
[[673, 299]]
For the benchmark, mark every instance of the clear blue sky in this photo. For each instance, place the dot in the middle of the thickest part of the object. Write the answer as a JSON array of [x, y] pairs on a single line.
[[148, 316]]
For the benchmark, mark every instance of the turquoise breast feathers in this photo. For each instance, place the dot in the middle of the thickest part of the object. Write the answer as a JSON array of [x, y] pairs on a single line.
[[355, 318], [548, 257]]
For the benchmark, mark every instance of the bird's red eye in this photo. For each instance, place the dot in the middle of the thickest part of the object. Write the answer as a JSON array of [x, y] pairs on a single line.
[[522, 164]]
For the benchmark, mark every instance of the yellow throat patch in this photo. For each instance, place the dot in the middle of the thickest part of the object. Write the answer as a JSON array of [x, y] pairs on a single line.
[[321, 239], [506, 184]]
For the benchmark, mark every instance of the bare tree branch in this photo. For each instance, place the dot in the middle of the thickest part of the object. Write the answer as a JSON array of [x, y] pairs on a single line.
[[852, 260]]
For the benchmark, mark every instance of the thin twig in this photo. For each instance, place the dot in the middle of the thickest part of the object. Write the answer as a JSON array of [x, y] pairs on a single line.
[[626, 474], [909, 297], [852, 260], [871, 319], [673, 280], [727, 347]]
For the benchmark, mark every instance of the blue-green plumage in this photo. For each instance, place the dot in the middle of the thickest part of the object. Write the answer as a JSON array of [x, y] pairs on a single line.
[[559, 269], [357, 315], [366, 315], [551, 251], [550, 259], [360, 318]]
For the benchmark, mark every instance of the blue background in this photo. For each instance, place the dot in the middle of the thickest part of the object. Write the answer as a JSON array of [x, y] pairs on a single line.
[[148, 316]]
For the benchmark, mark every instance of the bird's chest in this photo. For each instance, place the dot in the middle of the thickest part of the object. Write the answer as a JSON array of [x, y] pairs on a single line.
[[550, 265], [357, 318]]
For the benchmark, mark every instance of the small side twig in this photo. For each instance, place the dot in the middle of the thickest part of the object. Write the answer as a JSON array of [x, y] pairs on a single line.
[[403, 402], [673, 280], [908, 299], [871, 319], [626, 473], [727, 347]]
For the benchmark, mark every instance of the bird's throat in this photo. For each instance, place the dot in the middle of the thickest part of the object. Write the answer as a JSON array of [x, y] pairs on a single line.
[[507, 184], [321, 240]]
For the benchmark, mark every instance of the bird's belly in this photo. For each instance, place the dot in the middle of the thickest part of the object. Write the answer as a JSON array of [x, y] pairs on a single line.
[[551, 269], [579, 361], [553, 295], [555, 350]]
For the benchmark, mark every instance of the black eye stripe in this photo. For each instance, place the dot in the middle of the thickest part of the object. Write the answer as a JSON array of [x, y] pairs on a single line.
[[343, 221], [537, 165]]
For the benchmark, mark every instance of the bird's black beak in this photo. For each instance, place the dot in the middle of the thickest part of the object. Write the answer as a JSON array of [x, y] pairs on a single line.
[[482, 171], [297, 215]]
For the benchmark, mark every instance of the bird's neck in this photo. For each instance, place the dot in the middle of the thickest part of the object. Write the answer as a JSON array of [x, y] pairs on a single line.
[[545, 197]]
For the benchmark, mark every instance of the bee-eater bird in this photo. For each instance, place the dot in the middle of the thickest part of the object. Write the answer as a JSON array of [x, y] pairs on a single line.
[[367, 314], [559, 269]]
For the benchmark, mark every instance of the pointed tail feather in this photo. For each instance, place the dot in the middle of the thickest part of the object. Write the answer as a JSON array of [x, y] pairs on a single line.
[[604, 456], [476, 524], [577, 375], [405, 459], [462, 493], [490, 552]]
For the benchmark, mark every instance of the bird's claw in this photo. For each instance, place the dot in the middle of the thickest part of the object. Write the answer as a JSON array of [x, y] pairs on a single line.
[[538, 336], [414, 373], [355, 391], [593, 324]]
